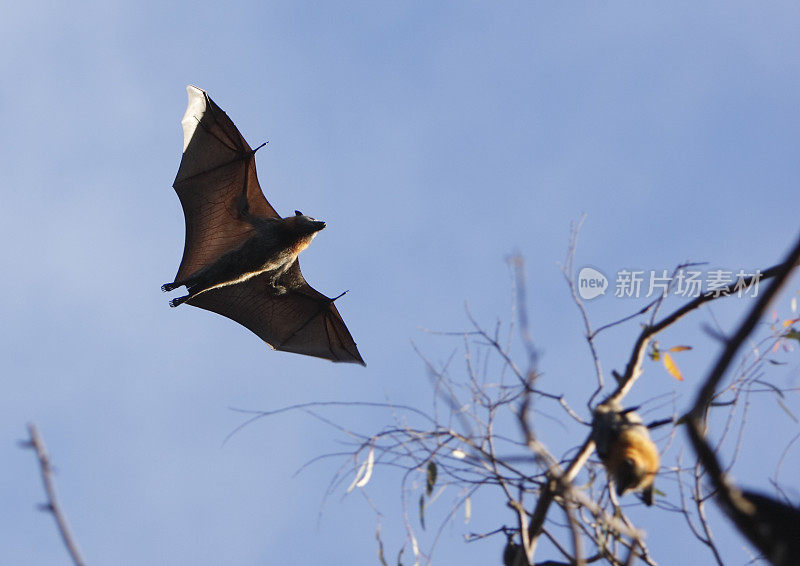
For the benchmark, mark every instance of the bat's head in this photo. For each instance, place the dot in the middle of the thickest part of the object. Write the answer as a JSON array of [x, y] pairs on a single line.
[[305, 225]]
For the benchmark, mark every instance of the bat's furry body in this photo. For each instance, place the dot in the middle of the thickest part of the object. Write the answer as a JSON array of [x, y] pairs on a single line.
[[630, 457], [240, 256], [271, 250]]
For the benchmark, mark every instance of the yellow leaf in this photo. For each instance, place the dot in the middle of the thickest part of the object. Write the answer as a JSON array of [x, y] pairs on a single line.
[[790, 322], [679, 348], [672, 368]]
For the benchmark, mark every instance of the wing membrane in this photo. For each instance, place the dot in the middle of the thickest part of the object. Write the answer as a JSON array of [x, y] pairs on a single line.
[[216, 183], [303, 320]]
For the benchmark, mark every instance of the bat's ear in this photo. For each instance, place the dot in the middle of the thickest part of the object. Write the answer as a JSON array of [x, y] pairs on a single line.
[[298, 213]]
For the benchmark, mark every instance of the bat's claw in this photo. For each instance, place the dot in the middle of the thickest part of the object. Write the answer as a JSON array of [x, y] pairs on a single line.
[[166, 287], [340, 295], [177, 301]]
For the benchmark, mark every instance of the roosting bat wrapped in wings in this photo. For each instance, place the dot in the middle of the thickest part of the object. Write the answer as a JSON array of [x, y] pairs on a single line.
[[624, 445], [240, 256]]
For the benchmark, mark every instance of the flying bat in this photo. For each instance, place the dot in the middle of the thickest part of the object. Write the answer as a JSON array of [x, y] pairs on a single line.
[[240, 256]]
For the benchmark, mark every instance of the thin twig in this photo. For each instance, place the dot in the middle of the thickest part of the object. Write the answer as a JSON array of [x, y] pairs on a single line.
[[37, 443], [634, 367], [568, 272]]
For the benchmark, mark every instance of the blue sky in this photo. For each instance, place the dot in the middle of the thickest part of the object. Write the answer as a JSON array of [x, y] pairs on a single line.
[[435, 140]]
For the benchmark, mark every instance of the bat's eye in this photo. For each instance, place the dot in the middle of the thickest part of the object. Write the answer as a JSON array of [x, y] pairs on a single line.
[[298, 213]]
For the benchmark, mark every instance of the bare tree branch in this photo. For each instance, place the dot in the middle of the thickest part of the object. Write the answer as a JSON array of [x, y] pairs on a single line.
[[37, 443], [625, 383], [634, 367], [742, 508], [462, 438]]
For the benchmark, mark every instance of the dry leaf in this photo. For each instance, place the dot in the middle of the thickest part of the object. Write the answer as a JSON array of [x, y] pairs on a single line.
[[364, 472], [672, 368]]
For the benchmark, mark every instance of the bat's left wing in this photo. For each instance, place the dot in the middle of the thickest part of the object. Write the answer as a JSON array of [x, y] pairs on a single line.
[[302, 320], [216, 183]]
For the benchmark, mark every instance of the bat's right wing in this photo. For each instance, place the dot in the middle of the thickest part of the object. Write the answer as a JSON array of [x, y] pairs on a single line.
[[216, 184], [302, 320]]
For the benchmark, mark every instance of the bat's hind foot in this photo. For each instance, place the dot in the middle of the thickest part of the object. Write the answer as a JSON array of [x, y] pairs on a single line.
[[166, 287], [179, 301]]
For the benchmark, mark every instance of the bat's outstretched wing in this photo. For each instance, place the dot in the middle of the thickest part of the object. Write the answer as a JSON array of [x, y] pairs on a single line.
[[216, 184], [302, 320]]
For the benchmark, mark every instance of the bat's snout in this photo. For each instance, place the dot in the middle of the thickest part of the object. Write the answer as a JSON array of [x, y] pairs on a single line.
[[305, 224]]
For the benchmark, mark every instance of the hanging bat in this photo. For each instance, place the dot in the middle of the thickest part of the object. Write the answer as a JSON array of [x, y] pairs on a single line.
[[623, 443], [240, 256]]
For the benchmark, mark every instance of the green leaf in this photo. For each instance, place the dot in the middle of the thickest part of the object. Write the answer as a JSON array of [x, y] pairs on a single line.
[[792, 333], [422, 511]]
